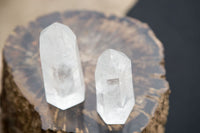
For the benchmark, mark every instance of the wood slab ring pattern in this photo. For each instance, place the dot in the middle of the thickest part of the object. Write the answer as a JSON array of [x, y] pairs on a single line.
[[23, 98]]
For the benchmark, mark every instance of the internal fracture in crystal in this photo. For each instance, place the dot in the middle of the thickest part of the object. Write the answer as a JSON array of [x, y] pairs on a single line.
[[61, 67], [114, 87]]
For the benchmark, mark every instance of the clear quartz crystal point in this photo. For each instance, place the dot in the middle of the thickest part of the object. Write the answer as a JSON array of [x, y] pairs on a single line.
[[61, 67], [114, 87]]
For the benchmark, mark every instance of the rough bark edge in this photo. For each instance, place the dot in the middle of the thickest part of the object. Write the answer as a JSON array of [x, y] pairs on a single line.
[[12, 96], [1, 123], [158, 121]]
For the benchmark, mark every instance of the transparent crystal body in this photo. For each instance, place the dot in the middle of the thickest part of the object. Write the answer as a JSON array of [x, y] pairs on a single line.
[[114, 87], [61, 67]]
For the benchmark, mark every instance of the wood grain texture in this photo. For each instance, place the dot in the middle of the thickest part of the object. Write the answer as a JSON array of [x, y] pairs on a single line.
[[23, 92]]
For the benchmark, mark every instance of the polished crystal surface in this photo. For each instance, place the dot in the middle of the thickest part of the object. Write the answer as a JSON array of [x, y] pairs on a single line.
[[61, 67], [114, 87]]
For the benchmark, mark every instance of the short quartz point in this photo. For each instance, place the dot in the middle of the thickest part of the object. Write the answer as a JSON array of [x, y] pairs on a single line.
[[61, 67], [114, 87]]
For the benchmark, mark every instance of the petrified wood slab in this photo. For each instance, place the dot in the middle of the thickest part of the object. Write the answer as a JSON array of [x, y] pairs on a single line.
[[23, 98]]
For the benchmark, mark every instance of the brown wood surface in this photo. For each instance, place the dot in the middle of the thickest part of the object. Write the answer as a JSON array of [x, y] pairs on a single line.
[[1, 124], [23, 98]]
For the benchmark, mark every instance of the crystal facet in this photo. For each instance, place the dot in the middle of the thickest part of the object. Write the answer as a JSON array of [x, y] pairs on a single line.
[[114, 87], [61, 67]]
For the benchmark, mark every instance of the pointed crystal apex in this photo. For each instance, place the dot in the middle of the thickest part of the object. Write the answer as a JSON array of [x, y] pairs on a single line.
[[61, 67], [114, 87]]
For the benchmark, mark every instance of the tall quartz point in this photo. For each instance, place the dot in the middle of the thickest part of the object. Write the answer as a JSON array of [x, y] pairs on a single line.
[[61, 67], [114, 87]]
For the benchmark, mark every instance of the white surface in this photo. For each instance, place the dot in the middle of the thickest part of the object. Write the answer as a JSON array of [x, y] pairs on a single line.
[[61, 67], [114, 87]]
